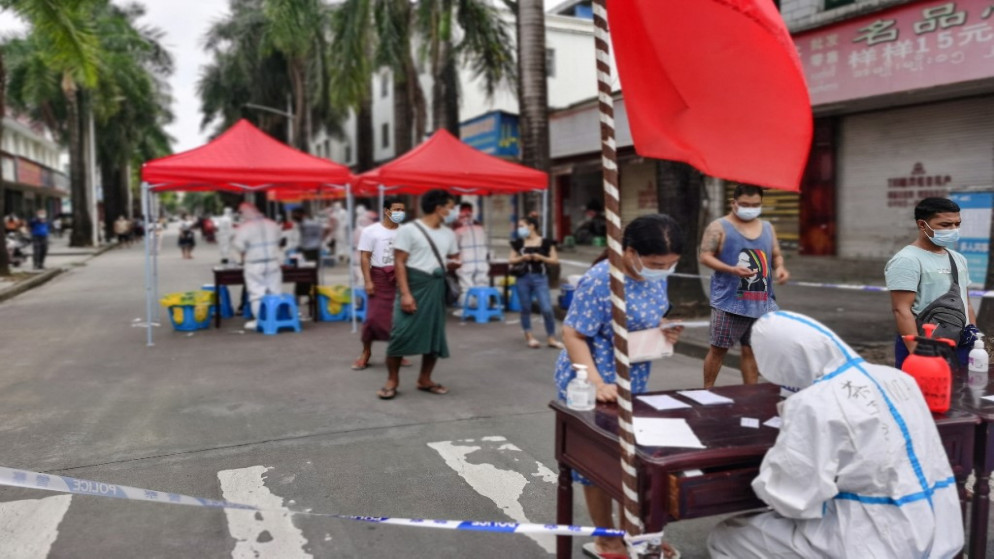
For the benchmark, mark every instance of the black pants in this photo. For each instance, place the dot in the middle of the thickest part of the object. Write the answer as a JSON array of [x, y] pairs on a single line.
[[40, 246]]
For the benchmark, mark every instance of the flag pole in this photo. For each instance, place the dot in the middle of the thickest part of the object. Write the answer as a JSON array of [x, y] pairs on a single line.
[[630, 519]]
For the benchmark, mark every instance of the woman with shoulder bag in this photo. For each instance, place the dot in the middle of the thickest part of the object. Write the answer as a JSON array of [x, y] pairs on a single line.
[[531, 256]]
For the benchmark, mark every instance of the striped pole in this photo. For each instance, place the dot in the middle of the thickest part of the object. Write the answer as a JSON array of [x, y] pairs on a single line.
[[631, 522]]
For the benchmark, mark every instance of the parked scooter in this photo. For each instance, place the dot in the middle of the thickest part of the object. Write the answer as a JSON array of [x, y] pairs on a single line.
[[16, 249]]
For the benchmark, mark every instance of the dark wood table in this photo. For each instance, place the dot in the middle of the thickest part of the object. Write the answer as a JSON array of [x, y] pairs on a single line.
[[588, 443], [969, 400], [233, 275]]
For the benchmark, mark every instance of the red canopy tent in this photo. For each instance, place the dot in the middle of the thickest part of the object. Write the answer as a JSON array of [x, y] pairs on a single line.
[[242, 159], [443, 161]]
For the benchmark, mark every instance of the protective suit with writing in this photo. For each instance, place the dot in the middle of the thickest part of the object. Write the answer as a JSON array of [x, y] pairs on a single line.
[[858, 469], [258, 239], [225, 227]]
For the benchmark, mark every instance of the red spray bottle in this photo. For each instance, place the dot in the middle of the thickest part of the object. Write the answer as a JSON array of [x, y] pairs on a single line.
[[929, 366]]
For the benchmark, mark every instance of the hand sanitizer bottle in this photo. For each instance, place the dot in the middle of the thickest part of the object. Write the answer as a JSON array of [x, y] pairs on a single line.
[[580, 394], [977, 368]]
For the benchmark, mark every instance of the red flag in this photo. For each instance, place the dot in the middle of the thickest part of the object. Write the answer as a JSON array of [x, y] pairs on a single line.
[[716, 84]]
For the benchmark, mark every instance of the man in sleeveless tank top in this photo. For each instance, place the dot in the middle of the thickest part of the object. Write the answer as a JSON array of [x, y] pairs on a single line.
[[745, 255]]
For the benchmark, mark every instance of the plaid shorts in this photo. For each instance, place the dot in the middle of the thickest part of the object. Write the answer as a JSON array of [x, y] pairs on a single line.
[[728, 328]]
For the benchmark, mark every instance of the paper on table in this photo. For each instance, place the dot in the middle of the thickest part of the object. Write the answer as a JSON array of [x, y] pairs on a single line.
[[665, 431], [687, 324], [750, 422], [705, 397], [991, 398], [663, 402], [774, 422]]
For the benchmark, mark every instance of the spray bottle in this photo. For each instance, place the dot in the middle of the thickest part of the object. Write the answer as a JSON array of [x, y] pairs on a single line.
[[929, 366]]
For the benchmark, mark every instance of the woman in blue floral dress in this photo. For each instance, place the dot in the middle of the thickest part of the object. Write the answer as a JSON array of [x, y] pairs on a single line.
[[652, 245]]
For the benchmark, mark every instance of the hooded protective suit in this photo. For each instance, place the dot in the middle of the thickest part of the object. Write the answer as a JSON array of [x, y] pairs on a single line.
[[258, 239], [858, 469], [225, 228], [473, 251]]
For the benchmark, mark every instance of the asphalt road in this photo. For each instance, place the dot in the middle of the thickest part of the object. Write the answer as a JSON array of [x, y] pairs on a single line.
[[278, 421]]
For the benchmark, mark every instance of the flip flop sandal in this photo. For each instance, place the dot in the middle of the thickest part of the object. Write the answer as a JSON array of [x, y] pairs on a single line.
[[556, 345], [434, 389], [534, 344], [590, 550], [386, 393], [405, 362], [359, 364]]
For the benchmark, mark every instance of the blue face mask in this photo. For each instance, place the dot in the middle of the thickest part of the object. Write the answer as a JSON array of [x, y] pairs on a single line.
[[524, 232], [650, 274], [944, 237], [397, 217]]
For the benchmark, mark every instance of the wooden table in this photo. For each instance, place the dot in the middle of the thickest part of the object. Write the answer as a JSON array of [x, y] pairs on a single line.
[[587, 442], [970, 401], [233, 275]]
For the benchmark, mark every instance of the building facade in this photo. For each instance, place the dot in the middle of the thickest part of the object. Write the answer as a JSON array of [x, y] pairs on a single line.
[[31, 160]]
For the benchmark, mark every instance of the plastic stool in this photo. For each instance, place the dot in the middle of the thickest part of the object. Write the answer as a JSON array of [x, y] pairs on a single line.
[[278, 311], [488, 301], [513, 302], [226, 310]]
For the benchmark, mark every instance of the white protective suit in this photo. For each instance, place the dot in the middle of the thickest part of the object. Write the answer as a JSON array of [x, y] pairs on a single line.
[[858, 469], [225, 228], [473, 250], [340, 217], [258, 239]]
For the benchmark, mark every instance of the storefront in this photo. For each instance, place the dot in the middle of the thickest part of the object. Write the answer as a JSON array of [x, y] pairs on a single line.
[[904, 105]]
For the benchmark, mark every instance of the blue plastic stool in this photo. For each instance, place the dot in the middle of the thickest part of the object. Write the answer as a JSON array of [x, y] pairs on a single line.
[[226, 310], [278, 311], [513, 303], [488, 304]]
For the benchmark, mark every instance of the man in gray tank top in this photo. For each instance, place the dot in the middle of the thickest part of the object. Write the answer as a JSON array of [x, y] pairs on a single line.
[[745, 255]]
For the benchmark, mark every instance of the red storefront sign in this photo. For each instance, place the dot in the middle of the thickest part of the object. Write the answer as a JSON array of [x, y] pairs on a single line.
[[28, 172], [911, 47]]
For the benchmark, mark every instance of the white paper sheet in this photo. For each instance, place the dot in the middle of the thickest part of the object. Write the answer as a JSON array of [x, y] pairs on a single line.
[[990, 398], [687, 324], [750, 422], [663, 402], [705, 397], [774, 422], [664, 431]]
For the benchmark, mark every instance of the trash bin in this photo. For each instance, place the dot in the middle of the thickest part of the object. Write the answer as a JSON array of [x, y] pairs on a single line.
[[333, 303], [190, 310]]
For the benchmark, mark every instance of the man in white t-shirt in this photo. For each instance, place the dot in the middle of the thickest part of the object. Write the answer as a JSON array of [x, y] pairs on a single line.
[[376, 260], [420, 252]]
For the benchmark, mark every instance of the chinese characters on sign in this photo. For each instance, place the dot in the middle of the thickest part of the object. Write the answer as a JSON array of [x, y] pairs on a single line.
[[904, 192], [925, 44]]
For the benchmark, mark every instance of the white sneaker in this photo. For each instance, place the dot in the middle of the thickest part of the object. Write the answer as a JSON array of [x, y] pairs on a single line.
[[457, 313], [251, 325]]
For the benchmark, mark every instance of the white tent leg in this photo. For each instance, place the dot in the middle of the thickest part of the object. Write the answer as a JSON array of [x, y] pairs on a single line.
[[350, 208], [148, 268], [545, 213], [379, 209]]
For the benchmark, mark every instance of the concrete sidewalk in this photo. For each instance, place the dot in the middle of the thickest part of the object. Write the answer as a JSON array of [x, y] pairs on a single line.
[[60, 257]]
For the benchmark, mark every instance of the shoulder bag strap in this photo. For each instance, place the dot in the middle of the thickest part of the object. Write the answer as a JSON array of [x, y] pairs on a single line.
[[432, 245], [952, 263]]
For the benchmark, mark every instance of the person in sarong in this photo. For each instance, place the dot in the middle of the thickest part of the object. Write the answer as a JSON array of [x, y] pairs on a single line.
[[421, 248], [376, 258]]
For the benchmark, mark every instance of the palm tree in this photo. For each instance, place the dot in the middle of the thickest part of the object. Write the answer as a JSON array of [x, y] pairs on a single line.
[[680, 188], [65, 30], [533, 96]]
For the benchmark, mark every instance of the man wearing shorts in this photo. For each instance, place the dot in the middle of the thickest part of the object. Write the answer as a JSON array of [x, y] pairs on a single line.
[[745, 255]]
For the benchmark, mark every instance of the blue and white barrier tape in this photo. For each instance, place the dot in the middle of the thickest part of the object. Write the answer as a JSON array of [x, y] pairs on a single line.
[[63, 484], [848, 286]]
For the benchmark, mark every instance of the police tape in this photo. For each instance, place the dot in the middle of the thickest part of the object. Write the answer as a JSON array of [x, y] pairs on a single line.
[[845, 286], [63, 484]]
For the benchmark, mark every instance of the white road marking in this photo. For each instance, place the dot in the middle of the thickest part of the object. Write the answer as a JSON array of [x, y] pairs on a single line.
[[28, 528], [503, 487], [259, 534]]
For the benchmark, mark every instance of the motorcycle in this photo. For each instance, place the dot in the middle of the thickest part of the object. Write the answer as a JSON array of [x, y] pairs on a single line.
[[16, 247]]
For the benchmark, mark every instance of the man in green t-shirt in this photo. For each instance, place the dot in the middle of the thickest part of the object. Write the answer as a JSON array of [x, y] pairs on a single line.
[[920, 272]]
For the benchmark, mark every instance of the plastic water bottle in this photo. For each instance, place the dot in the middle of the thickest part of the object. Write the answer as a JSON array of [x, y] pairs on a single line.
[[977, 368], [580, 393]]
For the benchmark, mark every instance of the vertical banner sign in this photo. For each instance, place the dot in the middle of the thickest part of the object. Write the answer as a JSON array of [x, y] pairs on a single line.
[[975, 210], [612, 206]]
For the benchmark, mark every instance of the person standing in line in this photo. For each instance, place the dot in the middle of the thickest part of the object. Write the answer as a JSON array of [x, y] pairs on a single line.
[[745, 255], [420, 250], [652, 246], [535, 254], [474, 249], [57, 226], [379, 278], [258, 241], [921, 272], [121, 227], [225, 229], [38, 226], [187, 240], [309, 236]]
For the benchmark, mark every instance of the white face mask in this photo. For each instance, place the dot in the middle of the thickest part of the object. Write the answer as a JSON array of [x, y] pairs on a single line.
[[651, 274], [397, 217], [524, 232], [747, 214]]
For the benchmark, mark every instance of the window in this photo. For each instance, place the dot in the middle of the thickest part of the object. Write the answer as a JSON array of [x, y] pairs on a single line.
[[385, 131], [550, 63], [385, 84], [832, 4]]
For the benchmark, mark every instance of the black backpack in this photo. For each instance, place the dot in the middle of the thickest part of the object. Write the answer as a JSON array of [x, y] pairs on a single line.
[[946, 311]]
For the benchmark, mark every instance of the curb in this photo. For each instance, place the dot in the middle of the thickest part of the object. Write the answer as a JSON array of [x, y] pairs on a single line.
[[29, 284]]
